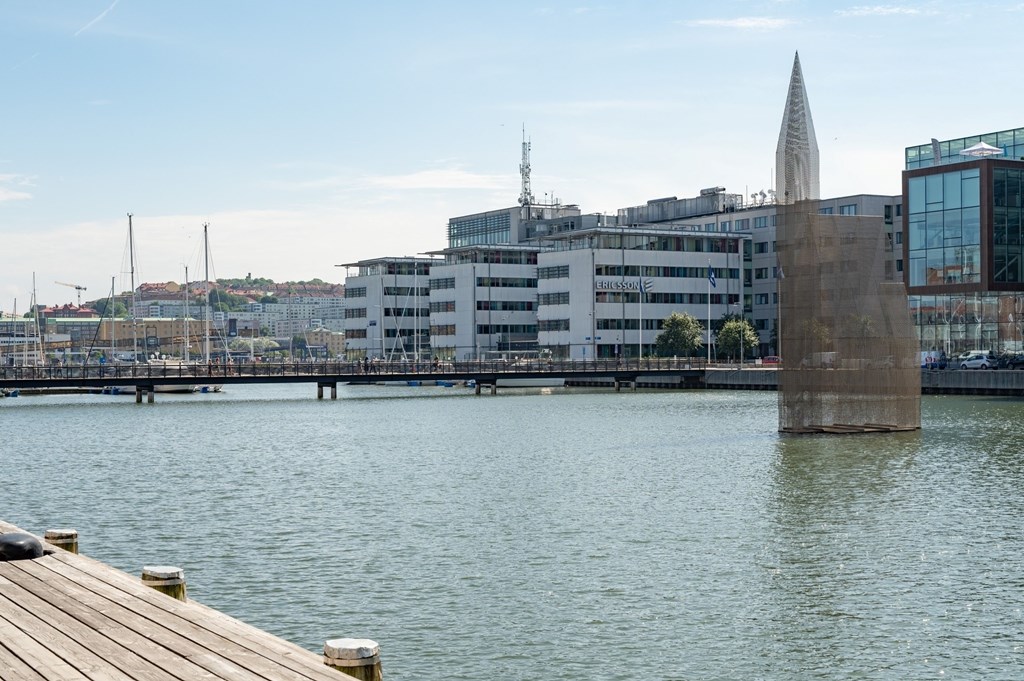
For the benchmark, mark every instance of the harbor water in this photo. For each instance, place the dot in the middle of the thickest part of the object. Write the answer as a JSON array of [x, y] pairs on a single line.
[[557, 534]]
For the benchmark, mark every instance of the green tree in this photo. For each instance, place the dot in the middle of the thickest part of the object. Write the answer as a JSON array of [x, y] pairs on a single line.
[[680, 335], [737, 334]]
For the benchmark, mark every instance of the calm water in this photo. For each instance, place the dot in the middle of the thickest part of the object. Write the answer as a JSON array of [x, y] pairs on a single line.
[[594, 535]]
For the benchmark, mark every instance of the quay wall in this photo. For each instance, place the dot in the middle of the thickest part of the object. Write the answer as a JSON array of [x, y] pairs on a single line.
[[933, 382]]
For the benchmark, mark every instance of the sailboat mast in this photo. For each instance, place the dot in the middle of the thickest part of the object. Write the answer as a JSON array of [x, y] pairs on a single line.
[[206, 277], [110, 309], [40, 360], [185, 354], [131, 261]]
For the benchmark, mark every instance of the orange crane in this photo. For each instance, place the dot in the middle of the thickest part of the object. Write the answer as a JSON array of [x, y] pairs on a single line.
[[77, 287]]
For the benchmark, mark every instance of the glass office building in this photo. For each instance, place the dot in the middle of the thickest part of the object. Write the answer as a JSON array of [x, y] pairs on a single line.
[[964, 242]]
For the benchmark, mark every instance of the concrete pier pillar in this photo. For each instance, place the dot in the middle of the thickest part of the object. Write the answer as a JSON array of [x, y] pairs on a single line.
[[319, 391], [151, 396], [138, 395]]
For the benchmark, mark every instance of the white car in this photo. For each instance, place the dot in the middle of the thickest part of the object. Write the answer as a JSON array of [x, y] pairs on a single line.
[[978, 362]]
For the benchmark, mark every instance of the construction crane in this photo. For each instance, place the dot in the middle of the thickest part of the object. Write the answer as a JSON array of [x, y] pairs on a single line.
[[77, 287]]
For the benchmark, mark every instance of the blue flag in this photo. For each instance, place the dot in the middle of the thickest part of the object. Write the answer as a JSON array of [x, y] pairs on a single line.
[[711, 277]]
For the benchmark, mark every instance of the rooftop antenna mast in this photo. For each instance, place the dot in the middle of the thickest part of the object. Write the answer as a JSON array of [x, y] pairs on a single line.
[[526, 194]]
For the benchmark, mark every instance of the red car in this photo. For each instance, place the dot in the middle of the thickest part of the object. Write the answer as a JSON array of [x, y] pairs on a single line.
[[771, 359]]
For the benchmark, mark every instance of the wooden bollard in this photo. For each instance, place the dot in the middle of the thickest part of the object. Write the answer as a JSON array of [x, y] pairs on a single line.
[[357, 657], [64, 539], [165, 579]]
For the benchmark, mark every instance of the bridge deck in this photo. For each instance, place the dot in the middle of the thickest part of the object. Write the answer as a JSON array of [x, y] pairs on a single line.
[[67, 617], [99, 376]]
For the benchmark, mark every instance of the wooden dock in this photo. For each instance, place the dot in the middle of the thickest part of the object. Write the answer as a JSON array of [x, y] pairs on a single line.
[[67, 617]]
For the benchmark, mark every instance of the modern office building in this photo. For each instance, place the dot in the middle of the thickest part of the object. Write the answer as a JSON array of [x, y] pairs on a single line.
[[604, 291], [963, 226], [483, 302], [387, 311]]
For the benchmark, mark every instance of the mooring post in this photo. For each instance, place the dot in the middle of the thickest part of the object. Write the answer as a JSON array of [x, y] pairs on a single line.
[[494, 388], [618, 386], [319, 391], [476, 390], [151, 395], [357, 657], [334, 391], [138, 394], [165, 579], [64, 539]]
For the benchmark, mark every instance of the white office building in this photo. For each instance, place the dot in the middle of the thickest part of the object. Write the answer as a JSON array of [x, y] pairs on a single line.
[[387, 313], [483, 302], [605, 291]]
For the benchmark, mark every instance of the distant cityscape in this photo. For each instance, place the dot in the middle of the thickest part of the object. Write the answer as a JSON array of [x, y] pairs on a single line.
[[547, 278]]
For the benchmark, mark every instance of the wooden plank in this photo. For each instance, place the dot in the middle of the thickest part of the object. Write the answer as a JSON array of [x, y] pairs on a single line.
[[188, 629], [36, 656], [256, 641], [92, 630], [59, 644], [13, 668], [179, 650]]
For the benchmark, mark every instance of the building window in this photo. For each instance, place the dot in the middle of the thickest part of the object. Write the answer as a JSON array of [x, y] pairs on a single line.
[[438, 284], [761, 247], [556, 272], [848, 209], [944, 228], [358, 292], [761, 222], [553, 325], [825, 211], [761, 273], [560, 298], [760, 299]]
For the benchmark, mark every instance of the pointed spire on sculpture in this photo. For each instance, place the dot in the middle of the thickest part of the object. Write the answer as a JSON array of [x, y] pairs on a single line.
[[796, 156]]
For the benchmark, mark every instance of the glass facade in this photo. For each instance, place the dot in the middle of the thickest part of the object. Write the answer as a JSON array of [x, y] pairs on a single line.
[[484, 229], [1007, 227], [944, 228], [954, 323], [922, 156]]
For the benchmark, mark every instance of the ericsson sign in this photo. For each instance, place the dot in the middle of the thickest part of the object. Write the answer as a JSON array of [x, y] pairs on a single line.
[[641, 285]]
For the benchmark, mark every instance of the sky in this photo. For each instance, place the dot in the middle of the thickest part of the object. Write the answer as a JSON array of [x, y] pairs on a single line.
[[314, 133]]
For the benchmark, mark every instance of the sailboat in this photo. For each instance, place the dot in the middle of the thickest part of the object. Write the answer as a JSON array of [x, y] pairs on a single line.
[[207, 387], [155, 364]]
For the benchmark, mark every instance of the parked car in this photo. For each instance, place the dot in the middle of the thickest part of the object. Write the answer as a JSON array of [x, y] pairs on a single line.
[[771, 359], [972, 360], [1011, 360]]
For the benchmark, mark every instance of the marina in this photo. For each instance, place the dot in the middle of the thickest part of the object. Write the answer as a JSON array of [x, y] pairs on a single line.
[[676, 529]]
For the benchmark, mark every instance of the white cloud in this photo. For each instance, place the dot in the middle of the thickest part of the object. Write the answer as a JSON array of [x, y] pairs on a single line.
[[12, 187], [744, 23], [877, 11]]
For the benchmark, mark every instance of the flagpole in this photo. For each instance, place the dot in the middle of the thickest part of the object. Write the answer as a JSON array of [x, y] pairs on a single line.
[[640, 337], [709, 310]]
